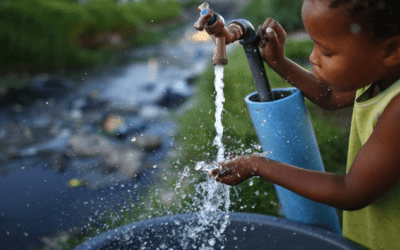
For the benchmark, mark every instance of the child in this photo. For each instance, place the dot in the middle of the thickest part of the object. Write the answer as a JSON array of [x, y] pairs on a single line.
[[355, 60]]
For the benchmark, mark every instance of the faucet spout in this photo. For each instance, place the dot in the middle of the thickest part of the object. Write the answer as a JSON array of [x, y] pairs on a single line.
[[214, 24], [239, 29]]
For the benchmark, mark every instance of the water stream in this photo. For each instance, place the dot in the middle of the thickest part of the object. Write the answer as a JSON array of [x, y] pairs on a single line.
[[215, 200]]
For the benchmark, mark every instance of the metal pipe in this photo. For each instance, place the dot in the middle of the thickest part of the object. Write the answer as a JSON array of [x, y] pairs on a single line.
[[250, 46]]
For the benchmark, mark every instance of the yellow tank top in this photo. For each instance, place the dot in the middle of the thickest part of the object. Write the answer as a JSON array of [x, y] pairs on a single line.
[[376, 226]]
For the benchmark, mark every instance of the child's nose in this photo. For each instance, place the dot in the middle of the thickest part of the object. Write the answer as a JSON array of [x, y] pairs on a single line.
[[313, 58]]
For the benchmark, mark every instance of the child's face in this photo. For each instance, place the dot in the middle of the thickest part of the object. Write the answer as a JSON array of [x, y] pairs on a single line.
[[344, 59]]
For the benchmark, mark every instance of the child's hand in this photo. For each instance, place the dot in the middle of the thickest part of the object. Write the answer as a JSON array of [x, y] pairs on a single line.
[[236, 170], [271, 39]]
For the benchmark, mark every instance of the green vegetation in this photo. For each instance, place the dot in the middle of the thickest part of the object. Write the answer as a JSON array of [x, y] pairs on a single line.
[[52, 34], [287, 13]]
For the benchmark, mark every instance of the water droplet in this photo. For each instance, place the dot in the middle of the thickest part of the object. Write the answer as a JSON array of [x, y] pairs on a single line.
[[26, 234], [251, 182], [244, 229], [257, 193], [133, 139], [211, 242], [355, 28], [154, 166]]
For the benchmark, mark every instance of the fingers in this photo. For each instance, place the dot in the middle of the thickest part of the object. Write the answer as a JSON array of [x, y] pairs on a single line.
[[271, 32], [214, 172], [229, 180]]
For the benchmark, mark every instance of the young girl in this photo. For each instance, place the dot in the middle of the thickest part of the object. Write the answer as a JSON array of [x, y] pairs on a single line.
[[356, 61]]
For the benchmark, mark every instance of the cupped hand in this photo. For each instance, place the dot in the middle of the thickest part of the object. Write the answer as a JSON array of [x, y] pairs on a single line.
[[236, 170], [271, 39]]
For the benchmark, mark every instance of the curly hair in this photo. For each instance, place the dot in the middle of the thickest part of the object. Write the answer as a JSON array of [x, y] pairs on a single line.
[[378, 19]]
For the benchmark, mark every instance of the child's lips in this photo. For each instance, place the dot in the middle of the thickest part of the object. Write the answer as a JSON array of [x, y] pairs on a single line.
[[317, 77]]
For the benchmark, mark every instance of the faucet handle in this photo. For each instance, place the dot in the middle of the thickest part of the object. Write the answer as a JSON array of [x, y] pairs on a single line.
[[206, 14]]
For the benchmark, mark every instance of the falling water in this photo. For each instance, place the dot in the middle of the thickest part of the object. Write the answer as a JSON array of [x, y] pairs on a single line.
[[214, 200], [219, 105]]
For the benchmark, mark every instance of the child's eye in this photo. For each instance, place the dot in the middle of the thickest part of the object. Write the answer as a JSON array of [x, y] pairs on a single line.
[[327, 54]]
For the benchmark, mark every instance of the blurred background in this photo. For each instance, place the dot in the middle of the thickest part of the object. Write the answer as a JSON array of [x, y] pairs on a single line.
[[106, 105]]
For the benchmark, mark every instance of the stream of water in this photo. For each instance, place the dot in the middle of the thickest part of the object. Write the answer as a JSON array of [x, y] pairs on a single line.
[[215, 197]]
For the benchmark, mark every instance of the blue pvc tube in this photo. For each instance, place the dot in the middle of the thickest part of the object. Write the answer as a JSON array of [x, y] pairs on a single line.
[[284, 127]]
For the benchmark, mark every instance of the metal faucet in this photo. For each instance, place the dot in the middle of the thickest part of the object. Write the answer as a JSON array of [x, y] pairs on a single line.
[[215, 26], [239, 29]]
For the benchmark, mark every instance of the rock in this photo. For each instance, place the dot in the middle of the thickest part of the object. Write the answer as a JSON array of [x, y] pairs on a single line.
[[3, 134], [149, 87], [88, 146], [3, 157], [126, 110], [171, 99], [147, 142], [130, 163], [152, 113], [112, 124], [175, 94], [121, 127], [16, 96], [45, 86], [127, 161], [89, 103], [11, 152], [57, 144], [57, 162], [3, 91], [42, 120]]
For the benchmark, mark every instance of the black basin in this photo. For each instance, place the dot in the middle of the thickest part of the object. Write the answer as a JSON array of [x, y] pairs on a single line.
[[245, 231]]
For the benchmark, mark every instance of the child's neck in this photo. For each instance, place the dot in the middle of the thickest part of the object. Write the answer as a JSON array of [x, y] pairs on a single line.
[[375, 90], [380, 86]]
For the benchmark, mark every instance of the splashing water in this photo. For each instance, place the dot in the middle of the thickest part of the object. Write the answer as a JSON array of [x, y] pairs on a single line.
[[214, 200]]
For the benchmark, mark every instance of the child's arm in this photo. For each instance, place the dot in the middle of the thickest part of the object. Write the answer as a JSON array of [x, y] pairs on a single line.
[[272, 44], [375, 170]]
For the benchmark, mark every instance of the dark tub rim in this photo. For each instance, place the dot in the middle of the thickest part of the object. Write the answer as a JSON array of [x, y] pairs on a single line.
[[259, 219]]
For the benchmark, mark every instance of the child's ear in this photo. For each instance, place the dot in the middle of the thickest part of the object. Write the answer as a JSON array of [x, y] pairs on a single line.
[[392, 51]]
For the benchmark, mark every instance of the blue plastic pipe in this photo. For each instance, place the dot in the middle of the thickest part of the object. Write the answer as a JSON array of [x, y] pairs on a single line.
[[284, 127]]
